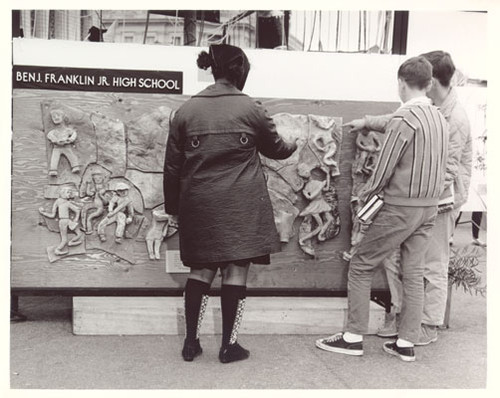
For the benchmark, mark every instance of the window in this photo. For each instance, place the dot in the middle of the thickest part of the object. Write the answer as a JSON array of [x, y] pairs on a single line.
[[150, 39]]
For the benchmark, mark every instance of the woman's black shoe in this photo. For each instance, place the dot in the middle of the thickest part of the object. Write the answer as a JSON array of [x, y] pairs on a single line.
[[233, 352], [191, 350]]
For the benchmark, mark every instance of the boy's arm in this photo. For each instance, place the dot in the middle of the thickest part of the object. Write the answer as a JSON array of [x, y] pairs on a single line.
[[369, 123], [377, 123], [455, 147], [390, 155]]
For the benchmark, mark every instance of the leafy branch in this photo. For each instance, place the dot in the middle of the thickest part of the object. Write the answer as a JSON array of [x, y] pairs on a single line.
[[463, 272]]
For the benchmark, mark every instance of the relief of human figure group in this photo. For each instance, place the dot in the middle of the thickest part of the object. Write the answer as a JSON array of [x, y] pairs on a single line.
[[97, 204], [100, 201]]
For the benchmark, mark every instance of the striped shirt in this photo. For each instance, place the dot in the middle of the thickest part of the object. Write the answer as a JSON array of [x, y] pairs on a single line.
[[412, 162]]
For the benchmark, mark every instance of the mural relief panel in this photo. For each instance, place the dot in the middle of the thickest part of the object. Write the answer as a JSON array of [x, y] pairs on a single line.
[[368, 146], [310, 172], [104, 180]]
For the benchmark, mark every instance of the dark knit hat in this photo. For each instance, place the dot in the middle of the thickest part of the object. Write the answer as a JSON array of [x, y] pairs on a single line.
[[226, 57], [223, 54]]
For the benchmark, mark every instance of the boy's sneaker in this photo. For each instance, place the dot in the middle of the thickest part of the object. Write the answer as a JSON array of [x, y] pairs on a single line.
[[407, 354], [478, 242], [428, 334], [336, 343]]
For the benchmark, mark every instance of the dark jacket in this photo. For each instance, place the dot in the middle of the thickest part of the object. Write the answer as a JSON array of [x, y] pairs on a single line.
[[213, 178]]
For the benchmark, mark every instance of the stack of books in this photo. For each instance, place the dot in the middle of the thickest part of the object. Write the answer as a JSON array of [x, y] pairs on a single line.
[[370, 209]]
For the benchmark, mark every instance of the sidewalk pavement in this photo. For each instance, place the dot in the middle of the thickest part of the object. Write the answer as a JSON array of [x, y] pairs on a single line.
[[46, 355]]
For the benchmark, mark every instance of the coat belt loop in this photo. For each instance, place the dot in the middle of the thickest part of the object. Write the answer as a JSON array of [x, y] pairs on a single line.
[[195, 142]]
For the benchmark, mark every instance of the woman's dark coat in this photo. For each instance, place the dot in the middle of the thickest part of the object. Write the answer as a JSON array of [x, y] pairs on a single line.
[[213, 178]]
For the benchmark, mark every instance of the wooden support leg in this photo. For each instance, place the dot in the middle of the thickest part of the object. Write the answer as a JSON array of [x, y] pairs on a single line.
[[15, 315]]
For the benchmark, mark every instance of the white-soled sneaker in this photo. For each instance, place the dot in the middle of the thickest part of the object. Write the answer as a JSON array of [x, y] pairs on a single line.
[[336, 343], [407, 354], [478, 242]]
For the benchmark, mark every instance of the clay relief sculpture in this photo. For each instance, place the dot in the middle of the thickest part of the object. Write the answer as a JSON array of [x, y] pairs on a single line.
[[70, 144], [324, 142], [321, 215], [318, 210], [120, 187], [162, 226], [119, 218], [63, 138], [120, 212], [96, 192], [109, 207], [309, 171], [284, 201], [68, 213], [368, 145]]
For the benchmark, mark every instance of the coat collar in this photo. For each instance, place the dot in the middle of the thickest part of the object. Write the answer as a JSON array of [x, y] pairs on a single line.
[[416, 101], [423, 100], [219, 89], [449, 103]]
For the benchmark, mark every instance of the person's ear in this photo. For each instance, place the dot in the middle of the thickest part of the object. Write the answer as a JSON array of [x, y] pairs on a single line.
[[402, 88], [431, 85]]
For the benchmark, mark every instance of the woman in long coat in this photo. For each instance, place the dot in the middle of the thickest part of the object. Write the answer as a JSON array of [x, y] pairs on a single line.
[[214, 183]]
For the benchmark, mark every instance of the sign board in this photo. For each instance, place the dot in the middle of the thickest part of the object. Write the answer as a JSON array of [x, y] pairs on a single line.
[[109, 80]]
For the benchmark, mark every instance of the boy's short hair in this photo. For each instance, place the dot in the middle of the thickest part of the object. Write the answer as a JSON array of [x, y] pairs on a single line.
[[416, 72], [442, 66]]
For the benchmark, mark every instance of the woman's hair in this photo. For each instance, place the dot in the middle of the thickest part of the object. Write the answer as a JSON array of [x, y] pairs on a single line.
[[226, 61], [204, 60]]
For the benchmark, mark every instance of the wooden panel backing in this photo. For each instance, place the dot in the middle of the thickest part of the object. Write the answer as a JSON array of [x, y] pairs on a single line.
[[290, 269]]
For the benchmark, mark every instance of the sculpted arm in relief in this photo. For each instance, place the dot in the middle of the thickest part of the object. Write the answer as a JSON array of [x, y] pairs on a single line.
[[53, 213]]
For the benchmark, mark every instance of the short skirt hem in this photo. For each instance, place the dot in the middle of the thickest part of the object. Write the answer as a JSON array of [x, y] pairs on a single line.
[[265, 259]]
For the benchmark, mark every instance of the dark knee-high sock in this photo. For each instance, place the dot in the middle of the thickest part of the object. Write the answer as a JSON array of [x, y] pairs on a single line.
[[195, 302], [232, 305]]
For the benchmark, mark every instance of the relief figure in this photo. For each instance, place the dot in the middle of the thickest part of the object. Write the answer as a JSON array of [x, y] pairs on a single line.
[[318, 210], [62, 138], [120, 211], [95, 189], [162, 226], [368, 145], [62, 209]]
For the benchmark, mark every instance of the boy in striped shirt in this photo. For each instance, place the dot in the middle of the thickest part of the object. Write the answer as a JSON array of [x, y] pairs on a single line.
[[409, 175]]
